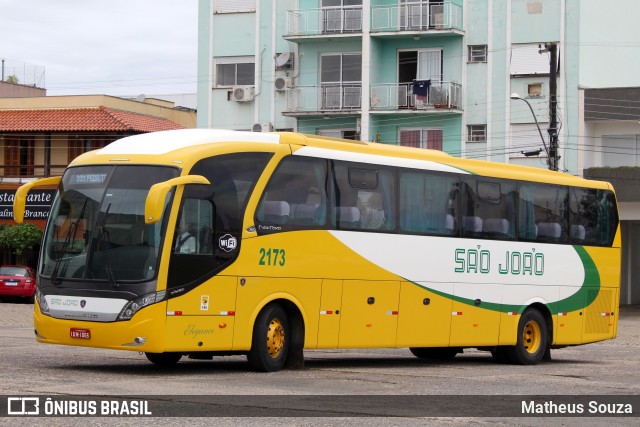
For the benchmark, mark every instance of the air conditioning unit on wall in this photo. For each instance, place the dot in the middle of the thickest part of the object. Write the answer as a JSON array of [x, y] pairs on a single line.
[[261, 127], [242, 93], [282, 83]]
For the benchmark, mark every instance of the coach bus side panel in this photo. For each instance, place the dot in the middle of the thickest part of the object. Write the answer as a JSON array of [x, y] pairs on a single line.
[[369, 315], [202, 319], [330, 311], [601, 316], [255, 292], [424, 318], [474, 322]]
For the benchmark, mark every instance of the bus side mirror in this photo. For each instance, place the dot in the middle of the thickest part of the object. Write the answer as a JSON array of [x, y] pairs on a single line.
[[20, 199], [154, 204]]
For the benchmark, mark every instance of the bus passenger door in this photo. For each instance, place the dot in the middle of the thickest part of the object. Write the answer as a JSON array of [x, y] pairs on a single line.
[[475, 322], [330, 311], [369, 315], [424, 318]]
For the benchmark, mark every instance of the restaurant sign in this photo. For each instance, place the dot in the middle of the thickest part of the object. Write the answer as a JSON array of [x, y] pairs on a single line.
[[37, 207]]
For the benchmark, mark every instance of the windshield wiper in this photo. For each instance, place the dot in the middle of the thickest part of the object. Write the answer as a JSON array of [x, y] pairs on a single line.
[[104, 237], [71, 235]]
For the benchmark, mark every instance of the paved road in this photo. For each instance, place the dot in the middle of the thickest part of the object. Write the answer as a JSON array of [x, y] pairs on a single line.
[[606, 368]]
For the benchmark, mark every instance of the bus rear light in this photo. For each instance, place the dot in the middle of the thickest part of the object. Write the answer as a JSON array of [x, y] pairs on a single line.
[[227, 313], [174, 313]]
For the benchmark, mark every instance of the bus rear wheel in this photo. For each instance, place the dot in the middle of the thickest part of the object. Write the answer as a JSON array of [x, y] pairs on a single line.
[[435, 353], [271, 340], [164, 359], [533, 339]]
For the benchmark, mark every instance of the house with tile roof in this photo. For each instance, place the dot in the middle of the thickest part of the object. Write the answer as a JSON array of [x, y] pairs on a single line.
[[40, 136]]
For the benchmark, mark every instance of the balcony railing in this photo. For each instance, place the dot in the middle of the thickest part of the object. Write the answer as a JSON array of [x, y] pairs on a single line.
[[334, 20], [400, 96], [418, 16], [326, 98]]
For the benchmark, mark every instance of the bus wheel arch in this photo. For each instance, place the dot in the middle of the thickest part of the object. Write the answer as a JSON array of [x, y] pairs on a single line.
[[534, 337], [278, 337]]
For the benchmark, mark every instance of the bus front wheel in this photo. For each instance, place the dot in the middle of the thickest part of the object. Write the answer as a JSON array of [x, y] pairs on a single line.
[[271, 339], [532, 340], [164, 359]]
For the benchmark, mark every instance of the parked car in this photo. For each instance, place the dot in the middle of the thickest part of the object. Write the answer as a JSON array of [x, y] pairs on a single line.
[[17, 281]]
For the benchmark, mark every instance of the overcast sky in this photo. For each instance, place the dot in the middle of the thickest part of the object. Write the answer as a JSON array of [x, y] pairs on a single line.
[[113, 47]]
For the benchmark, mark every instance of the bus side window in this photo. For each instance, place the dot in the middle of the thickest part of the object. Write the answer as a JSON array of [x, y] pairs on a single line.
[[592, 216], [295, 197], [543, 213], [489, 209], [369, 189], [427, 202]]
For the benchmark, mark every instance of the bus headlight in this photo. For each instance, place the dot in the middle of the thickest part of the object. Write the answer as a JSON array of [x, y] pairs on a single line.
[[42, 302], [135, 305]]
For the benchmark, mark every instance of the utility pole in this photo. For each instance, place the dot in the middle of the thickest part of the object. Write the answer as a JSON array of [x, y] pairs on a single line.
[[552, 48]]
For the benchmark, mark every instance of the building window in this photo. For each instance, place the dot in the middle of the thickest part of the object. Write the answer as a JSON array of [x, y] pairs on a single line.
[[534, 90], [234, 6], [19, 156], [340, 16], [341, 81], [235, 71], [476, 133], [477, 53], [81, 144], [421, 138], [526, 60], [351, 134]]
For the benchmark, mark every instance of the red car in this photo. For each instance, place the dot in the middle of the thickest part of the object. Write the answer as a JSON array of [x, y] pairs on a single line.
[[17, 281]]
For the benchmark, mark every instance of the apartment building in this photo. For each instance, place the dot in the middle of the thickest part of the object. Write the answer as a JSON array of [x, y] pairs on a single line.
[[469, 77]]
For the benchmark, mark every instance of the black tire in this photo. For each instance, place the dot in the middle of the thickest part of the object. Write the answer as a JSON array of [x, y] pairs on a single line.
[[435, 353], [271, 340], [164, 359], [533, 339], [500, 355]]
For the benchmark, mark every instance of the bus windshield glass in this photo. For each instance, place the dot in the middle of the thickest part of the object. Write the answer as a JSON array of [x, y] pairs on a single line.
[[97, 231]]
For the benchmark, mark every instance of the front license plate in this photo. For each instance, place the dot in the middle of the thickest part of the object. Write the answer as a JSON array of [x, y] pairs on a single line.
[[83, 334]]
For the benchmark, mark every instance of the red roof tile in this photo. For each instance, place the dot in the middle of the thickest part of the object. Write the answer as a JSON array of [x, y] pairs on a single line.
[[81, 120]]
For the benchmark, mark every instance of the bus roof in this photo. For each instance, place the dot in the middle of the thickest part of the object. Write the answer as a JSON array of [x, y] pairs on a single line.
[[193, 143]]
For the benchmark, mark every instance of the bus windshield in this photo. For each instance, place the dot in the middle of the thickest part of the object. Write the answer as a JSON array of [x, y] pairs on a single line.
[[97, 231]]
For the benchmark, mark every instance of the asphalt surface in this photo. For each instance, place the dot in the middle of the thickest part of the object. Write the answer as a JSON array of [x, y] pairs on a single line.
[[608, 368]]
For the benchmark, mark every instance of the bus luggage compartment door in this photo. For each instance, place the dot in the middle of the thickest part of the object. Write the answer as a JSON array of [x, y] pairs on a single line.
[[369, 315]]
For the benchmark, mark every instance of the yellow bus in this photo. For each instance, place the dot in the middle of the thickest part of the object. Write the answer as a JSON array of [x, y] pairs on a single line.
[[211, 242]]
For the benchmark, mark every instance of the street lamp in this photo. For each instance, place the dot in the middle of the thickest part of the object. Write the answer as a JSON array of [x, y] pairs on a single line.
[[516, 96]]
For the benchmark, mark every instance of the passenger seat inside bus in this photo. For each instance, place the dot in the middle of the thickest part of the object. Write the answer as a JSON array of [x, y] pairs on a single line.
[[348, 217], [471, 225], [578, 232], [549, 231], [275, 211], [304, 213], [496, 226]]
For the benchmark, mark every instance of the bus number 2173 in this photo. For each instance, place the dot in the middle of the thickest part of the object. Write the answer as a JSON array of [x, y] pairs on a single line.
[[272, 257]]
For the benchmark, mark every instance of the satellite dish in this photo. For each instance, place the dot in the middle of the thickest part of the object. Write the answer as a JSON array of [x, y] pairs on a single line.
[[282, 59]]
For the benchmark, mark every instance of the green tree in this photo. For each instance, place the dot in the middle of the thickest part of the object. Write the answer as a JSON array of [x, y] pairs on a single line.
[[20, 237], [13, 79]]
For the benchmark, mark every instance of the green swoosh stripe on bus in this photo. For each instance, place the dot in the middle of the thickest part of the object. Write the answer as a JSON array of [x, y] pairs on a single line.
[[581, 299]]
